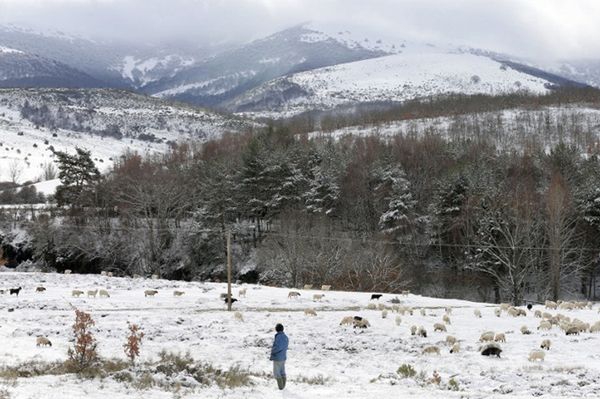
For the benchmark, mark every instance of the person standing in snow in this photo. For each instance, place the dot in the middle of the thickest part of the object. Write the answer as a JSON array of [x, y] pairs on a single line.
[[279, 355]]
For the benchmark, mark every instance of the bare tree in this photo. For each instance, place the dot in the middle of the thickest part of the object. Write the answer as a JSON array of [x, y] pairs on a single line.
[[15, 170]]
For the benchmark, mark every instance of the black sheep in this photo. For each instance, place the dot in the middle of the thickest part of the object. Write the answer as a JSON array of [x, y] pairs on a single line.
[[529, 306], [357, 318], [232, 300], [376, 296], [491, 350], [15, 291]]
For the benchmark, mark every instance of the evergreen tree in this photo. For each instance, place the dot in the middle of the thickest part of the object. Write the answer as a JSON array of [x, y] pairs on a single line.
[[78, 176]]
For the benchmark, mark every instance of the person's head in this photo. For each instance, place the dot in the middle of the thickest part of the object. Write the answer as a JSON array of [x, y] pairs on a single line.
[[279, 327]]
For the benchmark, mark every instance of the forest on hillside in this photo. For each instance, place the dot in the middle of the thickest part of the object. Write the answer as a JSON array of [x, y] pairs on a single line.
[[453, 216]]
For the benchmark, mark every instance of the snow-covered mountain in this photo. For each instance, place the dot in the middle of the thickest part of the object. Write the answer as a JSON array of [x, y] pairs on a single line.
[[33, 122]]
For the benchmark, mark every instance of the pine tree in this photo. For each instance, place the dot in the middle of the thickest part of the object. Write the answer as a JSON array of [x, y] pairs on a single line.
[[78, 176]]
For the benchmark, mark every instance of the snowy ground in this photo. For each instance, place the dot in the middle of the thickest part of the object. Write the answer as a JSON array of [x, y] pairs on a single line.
[[354, 364]]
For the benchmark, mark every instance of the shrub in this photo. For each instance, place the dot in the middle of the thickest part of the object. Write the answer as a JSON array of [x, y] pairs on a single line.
[[134, 340], [406, 371], [83, 354]]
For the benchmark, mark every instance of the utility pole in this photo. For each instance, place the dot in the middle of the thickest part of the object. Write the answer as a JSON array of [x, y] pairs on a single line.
[[229, 270]]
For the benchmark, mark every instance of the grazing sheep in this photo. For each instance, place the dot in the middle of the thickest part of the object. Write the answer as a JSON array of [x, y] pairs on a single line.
[[242, 292], [566, 306], [455, 348], [226, 300], [104, 293], [43, 341], [422, 312], [497, 312], [491, 350], [405, 293], [398, 320], [376, 296], [310, 312], [537, 314], [77, 293], [372, 306], [154, 277], [238, 316], [347, 321], [504, 307], [550, 305], [362, 323], [67, 271], [40, 289], [477, 313], [448, 310], [422, 332], [293, 294], [395, 308], [545, 325], [572, 330], [536, 354], [431, 350], [109, 274], [380, 306], [546, 344], [446, 319], [525, 330], [178, 293], [487, 336], [15, 291], [546, 315], [413, 330], [439, 327], [384, 314], [595, 327], [103, 273], [450, 340], [500, 337], [512, 312], [318, 297], [148, 293], [92, 293], [308, 286], [325, 287]]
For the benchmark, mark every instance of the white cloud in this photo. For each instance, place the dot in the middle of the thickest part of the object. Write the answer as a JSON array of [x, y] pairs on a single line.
[[534, 28]]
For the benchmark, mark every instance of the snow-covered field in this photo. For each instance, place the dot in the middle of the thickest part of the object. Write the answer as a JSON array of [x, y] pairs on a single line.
[[353, 364]]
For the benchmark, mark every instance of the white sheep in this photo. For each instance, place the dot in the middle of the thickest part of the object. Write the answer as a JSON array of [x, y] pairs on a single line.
[[68, 271], [450, 340], [550, 305], [498, 312], [310, 312], [545, 325], [455, 348], [413, 330], [238, 316], [372, 306], [293, 294], [398, 320], [448, 310], [504, 307], [537, 314], [92, 293], [405, 293], [242, 292], [431, 350], [500, 337], [103, 273], [536, 354], [446, 319], [439, 327], [595, 327], [109, 274], [104, 293], [325, 287], [525, 330], [178, 293], [148, 293], [77, 293], [348, 320], [487, 336], [43, 341], [477, 313], [422, 332], [380, 306], [384, 314], [318, 297], [546, 344], [422, 311], [308, 286]]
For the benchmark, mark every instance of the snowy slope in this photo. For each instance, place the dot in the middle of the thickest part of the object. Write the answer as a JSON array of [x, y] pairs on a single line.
[[107, 122], [353, 364], [418, 72]]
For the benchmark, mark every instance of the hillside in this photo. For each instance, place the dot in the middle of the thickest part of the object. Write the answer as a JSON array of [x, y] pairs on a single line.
[[107, 122]]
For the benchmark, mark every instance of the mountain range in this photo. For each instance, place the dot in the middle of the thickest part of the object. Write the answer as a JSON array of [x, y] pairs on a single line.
[[305, 67]]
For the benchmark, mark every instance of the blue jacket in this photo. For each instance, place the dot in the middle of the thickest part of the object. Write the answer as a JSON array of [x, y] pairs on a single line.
[[280, 347]]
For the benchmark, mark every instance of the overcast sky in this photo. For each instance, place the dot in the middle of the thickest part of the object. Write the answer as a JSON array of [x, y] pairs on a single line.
[[530, 28]]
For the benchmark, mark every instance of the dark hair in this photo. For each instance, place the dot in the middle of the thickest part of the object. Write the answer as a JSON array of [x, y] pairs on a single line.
[[279, 327]]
